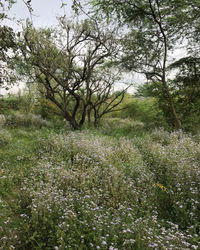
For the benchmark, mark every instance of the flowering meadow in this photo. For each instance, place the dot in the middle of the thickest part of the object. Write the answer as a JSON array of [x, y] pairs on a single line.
[[91, 190]]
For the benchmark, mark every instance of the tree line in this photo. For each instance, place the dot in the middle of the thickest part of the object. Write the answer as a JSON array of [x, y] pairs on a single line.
[[77, 63]]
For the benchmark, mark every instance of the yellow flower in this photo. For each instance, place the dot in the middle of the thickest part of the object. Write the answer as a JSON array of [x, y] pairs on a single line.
[[161, 186]]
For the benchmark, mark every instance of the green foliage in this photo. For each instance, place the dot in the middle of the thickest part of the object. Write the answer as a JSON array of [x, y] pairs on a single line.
[[12, 102], [23, 102], [7, 43], [121, 186], [153, 91], [2, 120], [142, 109], [185, 92], [46, 109], [173, 158], [191, 117], [118, 127], [154, 29]]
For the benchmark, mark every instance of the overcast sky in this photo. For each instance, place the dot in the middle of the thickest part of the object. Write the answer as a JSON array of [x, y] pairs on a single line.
[[44, 11]]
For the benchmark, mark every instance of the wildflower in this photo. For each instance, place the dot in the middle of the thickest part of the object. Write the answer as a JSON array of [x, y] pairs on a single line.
[[194, 247], [162, 187]]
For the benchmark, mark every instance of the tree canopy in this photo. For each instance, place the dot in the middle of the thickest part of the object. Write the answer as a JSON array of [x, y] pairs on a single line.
[[69, 63]]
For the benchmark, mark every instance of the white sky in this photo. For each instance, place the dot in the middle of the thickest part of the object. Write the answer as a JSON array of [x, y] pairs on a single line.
[[44, 11]]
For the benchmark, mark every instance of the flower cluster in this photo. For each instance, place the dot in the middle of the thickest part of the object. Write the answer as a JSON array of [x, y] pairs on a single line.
[[86, 191]]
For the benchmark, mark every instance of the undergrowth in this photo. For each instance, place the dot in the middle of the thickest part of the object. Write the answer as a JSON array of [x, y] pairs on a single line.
[[90, 190]]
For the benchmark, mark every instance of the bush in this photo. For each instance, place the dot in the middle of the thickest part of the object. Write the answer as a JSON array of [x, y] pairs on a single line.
[[9, 103], [5, 137], [26, 120], [144, 110], [121, 127], [46, 109]]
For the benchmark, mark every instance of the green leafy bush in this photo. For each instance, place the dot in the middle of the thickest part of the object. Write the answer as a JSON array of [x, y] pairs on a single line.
[[145, 110], [122, 127], [46, 109], [9, 103]]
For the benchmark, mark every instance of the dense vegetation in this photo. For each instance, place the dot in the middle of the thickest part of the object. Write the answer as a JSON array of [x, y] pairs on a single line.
[[119, 186], [85, 164]]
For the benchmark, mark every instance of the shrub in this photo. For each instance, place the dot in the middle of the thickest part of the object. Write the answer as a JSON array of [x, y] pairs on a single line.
[[5, 137], [11, 102], [145, 110], [121, 127], [26, 120], [47, 109]]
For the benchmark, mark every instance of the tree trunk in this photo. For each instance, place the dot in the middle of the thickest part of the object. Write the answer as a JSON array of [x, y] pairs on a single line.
[[172, 107], [89, 116], [159, 22], [72, 123], [96, 122]]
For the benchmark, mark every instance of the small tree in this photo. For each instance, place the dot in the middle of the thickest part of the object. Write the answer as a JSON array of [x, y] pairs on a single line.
[[67, 63], [184, 88]]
